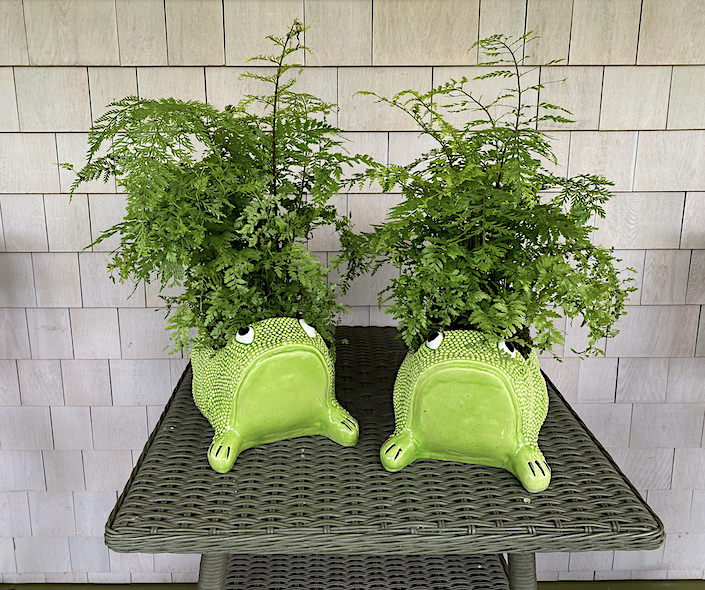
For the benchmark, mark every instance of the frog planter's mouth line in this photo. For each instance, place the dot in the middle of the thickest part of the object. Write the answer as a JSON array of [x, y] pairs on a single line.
[[478, 366], [285, 347]]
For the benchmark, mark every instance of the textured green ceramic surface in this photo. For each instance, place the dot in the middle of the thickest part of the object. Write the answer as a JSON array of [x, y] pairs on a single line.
[[462, 397], [273, 381]]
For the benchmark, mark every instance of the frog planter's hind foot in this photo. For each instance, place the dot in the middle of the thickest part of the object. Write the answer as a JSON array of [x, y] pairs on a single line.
[[398, 451], [341, 427], [531, 469], [223, 451]]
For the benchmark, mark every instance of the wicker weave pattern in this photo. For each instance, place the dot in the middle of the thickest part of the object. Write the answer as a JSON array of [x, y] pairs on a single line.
[[309, 495], [359, 572]]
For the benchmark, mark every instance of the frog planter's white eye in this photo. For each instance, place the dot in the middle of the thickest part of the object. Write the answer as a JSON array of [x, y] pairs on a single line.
[[506, 347], [245, 335], [310, 331], [434, 340]]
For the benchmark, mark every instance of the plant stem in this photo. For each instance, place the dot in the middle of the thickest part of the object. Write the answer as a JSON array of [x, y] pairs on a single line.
[[280, 62], [518, 110]]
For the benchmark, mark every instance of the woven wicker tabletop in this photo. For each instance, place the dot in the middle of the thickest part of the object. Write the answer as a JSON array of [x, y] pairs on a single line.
[[309, 495]]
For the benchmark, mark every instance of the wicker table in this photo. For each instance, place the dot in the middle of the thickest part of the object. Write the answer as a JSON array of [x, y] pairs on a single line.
[[307, 513]]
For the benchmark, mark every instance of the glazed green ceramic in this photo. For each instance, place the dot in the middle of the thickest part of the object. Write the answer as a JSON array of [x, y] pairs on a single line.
[[274, 380], [463, 397]]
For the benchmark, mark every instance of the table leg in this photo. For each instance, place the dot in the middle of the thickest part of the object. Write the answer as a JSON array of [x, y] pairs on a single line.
[[211, 574], [522, 571]]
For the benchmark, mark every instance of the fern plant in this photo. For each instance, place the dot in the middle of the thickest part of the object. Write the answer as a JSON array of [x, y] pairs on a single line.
[[478, 241], [221, 202]]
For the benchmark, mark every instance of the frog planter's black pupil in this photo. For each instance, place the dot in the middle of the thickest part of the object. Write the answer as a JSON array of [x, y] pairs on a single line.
[[243, 331], [510, 346], [432, 336]]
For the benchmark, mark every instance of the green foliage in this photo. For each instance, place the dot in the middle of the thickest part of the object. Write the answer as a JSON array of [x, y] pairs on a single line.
[[477, 244], [220, 202]]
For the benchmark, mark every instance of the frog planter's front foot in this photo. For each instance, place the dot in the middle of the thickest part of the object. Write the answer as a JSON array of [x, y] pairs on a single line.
[[223, 451], [531, 469], [341, 427], [398, 451]]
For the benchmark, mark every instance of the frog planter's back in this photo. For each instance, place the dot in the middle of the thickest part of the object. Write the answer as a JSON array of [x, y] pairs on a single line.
[[274, 380], [462, 397]]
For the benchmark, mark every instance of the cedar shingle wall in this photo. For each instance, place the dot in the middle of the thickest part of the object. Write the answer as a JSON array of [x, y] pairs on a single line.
[[83, 375]]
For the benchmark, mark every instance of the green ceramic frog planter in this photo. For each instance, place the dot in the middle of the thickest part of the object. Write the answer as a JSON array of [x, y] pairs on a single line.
[[274, 380], [460, 397]]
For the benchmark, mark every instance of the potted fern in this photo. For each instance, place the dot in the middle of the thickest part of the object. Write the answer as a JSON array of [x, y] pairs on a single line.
[[486, 260], [220, 204]]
